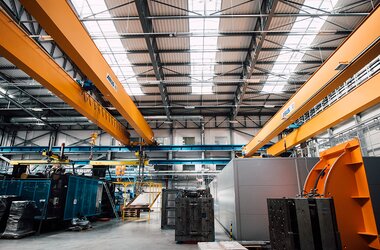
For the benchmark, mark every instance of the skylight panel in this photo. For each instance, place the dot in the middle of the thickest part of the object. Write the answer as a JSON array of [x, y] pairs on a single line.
[[93, 27], [120, 62], [108, 28], [287, 62], [201, 27]]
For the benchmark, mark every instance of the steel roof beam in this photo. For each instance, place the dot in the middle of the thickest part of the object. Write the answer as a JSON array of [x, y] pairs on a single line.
[[300, 73], [233, 16], [316, 49], [25, 94], [151, 103], [189, 75], [147, 26], [221, 34], [217, 92], [254, 49], [212, 63], [182, 84]]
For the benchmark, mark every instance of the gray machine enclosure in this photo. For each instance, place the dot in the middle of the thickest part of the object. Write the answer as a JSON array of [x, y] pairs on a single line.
[[241, 190]]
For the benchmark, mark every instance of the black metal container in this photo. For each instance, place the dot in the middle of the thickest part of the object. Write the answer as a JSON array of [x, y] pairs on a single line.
[[168, 208], [194, 220]]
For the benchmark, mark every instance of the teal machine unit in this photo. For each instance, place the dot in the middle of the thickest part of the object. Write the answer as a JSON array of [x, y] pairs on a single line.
[[76, 196], [84, 196], [34, 189]]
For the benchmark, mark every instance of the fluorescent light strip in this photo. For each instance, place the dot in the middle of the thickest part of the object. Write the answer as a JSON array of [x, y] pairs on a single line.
[[302, 41], [88, 8]]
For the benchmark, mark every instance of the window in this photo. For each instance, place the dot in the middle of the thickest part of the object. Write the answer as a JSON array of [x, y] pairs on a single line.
[[188, 167], [188, 140], [135, 139], [220, 140], [163, 168], [220, 167], [162, 140]]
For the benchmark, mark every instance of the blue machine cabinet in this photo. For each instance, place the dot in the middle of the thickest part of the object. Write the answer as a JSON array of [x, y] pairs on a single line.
[[36, 190], [83, 198]]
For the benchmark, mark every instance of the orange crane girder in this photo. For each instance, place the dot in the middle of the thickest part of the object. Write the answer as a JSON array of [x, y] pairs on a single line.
[[360, 99], [26, 54], [361, 47], [61, 23]]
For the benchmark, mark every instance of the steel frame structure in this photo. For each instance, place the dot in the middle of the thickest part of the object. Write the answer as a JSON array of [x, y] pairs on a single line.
[[23, 51], [25, 94], [360, 48], [60, 21]]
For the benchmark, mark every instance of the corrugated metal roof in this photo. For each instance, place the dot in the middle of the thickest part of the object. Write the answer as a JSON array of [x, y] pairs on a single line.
[[139, 58], [183, 89], [173, 43], [237, 24], [175, 57], [142, 69], [14, 73], [220, 68], [220, 88], [130, 26], [355, 6], [5, 62], [163, 8], [328, 41], [171, 25], [233, 42], [177, 69], [123, 10], [240, 7], [281, 23], [134, 44], [282, 7], [150, 89], [342, 23], [230, 56]]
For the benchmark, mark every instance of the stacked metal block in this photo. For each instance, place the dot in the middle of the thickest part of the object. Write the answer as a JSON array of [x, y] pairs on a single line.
[[194, 220], [168, 208], [303, 224]]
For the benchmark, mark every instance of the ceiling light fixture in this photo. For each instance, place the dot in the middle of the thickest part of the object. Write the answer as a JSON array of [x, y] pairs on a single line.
[[341, 66], [37, 109]]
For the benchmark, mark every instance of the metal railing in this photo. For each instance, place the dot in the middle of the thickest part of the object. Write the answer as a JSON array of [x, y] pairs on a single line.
[[360, 77]]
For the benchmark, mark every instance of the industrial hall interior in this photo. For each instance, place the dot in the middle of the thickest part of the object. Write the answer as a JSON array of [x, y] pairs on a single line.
[[190, 124]]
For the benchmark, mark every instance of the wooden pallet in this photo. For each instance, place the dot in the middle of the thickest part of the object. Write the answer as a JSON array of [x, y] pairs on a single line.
[[132, 212]]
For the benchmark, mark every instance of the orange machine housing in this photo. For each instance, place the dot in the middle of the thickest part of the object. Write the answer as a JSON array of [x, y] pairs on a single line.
[[340, 174]]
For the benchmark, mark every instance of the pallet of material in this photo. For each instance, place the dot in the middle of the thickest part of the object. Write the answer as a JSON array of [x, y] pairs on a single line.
[[222, 245], [132, 213]]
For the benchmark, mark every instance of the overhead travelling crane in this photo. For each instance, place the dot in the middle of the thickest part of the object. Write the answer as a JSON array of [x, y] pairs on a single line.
[[26, 54], [361, 47], [61, 23], [360, 99]]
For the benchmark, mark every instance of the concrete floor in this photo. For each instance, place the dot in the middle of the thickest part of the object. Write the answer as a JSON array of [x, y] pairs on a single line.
[[110, 235]]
